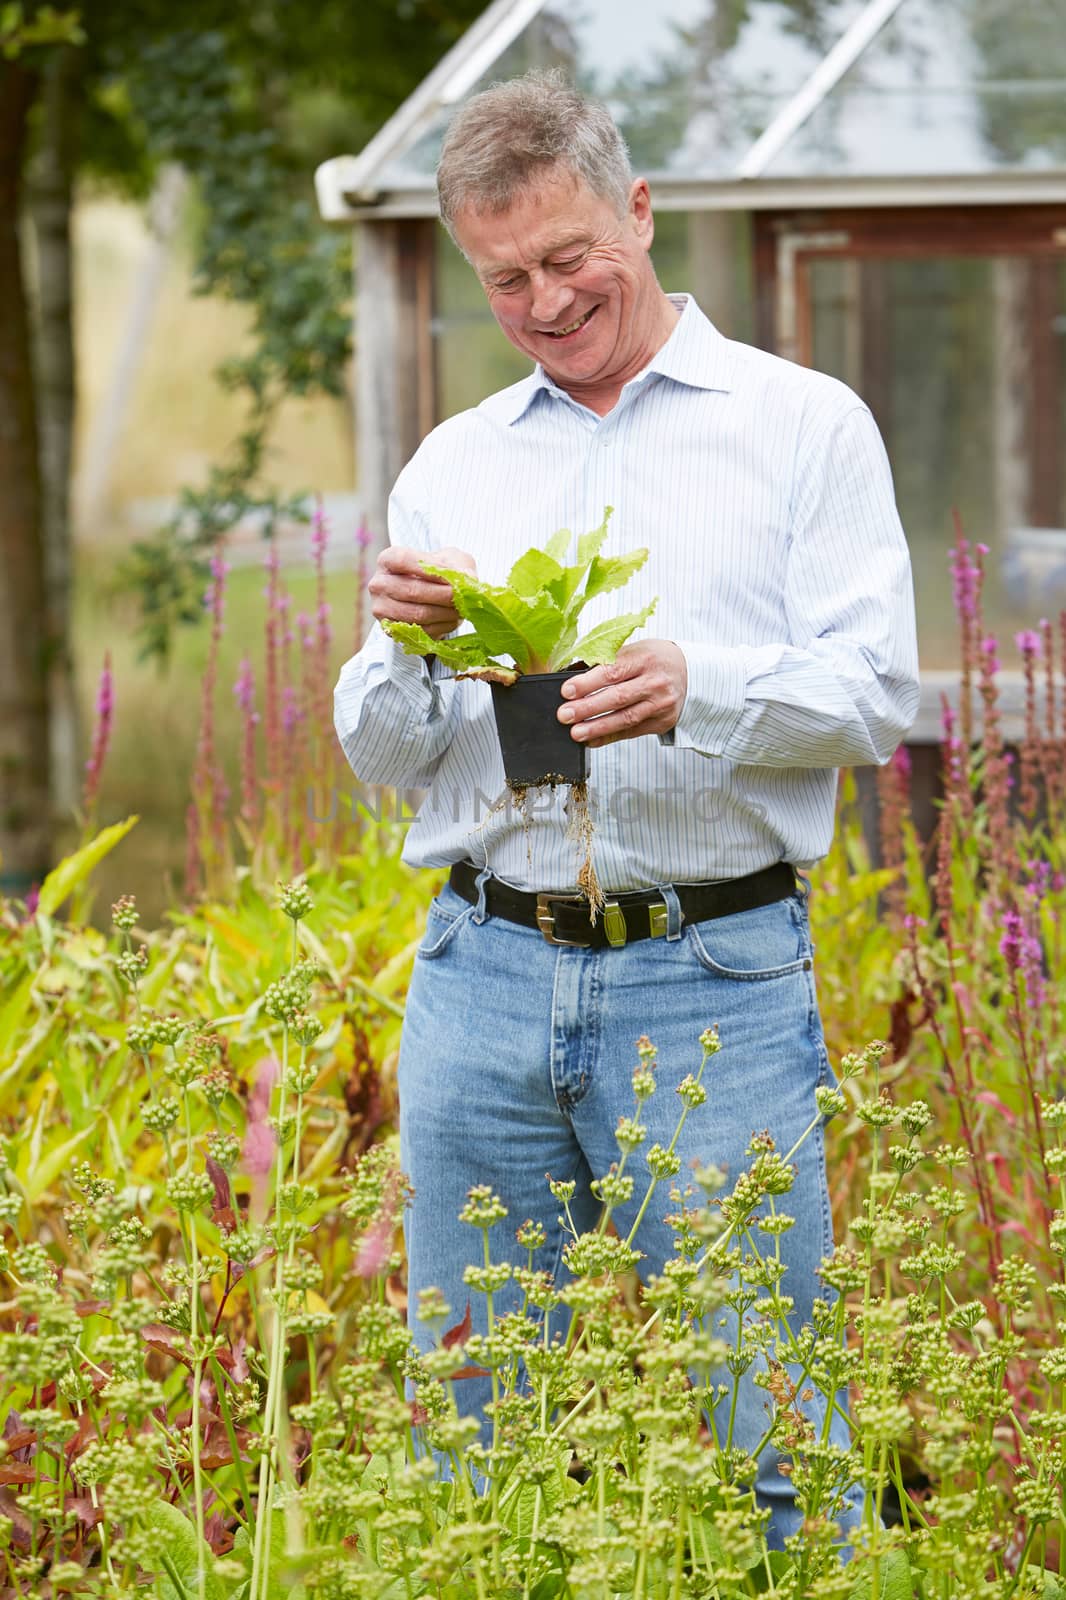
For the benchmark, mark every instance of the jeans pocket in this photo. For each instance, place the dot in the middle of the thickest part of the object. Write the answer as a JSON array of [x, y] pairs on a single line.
[[754, 946], [447, 913]]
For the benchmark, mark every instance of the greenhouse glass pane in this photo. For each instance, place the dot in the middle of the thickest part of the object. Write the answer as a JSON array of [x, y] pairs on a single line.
[[692, 82], [963, 363], [948, 86]]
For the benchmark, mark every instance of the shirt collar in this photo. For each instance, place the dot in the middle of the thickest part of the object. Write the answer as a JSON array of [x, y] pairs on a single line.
[[695, 354]]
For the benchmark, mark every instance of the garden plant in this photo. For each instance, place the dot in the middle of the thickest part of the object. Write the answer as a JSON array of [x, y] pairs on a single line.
[[533, 616], [207, 1388]]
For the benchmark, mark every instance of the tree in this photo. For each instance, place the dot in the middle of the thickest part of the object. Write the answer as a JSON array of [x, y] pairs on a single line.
[[26, 631], [248, 96]]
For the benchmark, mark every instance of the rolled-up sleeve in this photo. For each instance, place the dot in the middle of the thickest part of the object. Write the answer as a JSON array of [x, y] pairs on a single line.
[[841, 689], [394, 720]]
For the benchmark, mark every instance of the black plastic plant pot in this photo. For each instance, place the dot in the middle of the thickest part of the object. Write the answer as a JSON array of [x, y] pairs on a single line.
[[537, 747]]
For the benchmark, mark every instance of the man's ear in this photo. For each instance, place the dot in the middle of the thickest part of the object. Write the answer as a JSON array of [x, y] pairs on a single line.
[[639, 212]]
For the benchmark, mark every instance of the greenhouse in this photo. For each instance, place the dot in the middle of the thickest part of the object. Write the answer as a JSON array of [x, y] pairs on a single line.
[[873, 187]]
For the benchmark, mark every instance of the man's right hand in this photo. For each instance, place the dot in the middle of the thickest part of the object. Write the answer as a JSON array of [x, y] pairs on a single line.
[[401, 591]]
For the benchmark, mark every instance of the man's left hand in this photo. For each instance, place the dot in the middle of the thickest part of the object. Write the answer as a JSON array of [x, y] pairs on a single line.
[[641, 691]]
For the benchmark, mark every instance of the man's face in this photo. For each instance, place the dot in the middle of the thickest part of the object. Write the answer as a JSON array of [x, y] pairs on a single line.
[[569, 280]]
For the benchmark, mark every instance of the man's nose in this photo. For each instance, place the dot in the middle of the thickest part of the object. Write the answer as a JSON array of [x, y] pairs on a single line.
[[550, 297]]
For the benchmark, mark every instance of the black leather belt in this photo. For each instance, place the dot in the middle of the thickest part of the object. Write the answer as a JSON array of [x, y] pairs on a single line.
[[638, 914]]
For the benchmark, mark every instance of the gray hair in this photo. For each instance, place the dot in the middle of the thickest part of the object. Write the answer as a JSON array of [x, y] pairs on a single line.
[[514, 132]]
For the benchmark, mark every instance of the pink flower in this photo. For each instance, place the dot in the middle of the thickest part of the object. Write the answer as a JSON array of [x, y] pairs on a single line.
[[1011, 944], [363, 535], [105, 713], [1028, 643], [291, 713], [244, 690], [901, 761], [319, 533], [966, 578]]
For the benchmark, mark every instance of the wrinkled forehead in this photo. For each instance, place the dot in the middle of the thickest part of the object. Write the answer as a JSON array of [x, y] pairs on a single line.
[[547, 214]]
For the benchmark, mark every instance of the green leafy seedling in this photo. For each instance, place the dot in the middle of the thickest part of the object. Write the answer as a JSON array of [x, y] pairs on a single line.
[[533, 617]]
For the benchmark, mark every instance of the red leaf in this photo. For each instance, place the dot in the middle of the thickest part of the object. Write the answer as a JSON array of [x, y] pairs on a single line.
[[999, 1161], [77, 1442], [472, 1372], [20, 1472], [90, 1308], [1020, 1230], [222, 1211], [460, 1332], [988, 1098], [19, 1444], [157, 1336], [21, 1526], [81, 1505]]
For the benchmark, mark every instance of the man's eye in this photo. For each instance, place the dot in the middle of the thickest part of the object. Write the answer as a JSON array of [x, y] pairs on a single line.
[[570, 262], [506, 283]]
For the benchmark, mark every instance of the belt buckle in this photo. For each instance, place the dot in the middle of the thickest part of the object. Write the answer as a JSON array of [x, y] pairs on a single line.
[[546, 917]]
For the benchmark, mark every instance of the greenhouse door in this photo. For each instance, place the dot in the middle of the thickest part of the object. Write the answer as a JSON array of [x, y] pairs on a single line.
[[951, 324]]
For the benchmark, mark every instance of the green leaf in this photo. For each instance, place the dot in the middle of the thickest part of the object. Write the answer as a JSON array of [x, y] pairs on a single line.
[[558, 544], [894, 1578], [589, 544], [465, 650], [44, 1169], [497, 614], [518, 1512], [181, 1552], [534, 571], [73, 870], [611, 572], [13, 1013], [603, 643]]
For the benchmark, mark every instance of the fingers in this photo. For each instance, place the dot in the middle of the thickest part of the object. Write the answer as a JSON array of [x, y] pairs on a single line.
[[457, 560], [626, 665], [639, 693], [629, 722], [399, 561], [401, 590]]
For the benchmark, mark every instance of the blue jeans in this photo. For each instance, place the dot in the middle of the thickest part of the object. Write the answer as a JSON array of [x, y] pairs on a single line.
[[516, 1061]]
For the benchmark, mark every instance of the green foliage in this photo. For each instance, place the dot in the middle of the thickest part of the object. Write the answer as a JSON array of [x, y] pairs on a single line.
[[532, 618], [25, 28], [180, 1554], [203, 1307]]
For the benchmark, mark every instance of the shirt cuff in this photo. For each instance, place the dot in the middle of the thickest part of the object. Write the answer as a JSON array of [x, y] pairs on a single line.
[[411, 676], [717, 685]]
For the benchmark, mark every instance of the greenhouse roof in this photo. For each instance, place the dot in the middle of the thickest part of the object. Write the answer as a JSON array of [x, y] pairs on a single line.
[[751, 101]]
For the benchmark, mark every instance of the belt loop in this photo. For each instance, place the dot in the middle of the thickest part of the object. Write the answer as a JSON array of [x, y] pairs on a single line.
[[480, 910], [673, 910]]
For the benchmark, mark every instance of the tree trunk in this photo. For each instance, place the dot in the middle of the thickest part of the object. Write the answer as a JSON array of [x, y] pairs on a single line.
[[49, 193], [24, 761]]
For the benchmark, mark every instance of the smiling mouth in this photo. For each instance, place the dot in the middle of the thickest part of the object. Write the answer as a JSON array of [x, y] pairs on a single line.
[[573, 327]]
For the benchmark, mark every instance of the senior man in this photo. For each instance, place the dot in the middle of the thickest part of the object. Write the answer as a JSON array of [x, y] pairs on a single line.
[[783, 646]]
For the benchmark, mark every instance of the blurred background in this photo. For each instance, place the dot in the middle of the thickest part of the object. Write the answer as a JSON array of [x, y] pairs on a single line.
[[195, 344]]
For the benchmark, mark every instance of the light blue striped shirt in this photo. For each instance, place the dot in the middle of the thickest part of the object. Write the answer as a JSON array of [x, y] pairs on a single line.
[[781, 570]]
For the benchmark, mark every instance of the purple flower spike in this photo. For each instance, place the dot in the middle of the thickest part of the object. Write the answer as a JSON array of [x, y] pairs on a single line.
[[244, 688], [319, 533], [1010, 945], [105, 714], [1028, 643]]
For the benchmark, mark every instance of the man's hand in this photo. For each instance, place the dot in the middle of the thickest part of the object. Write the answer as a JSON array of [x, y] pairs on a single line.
[[401, 591], [641, 691]]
